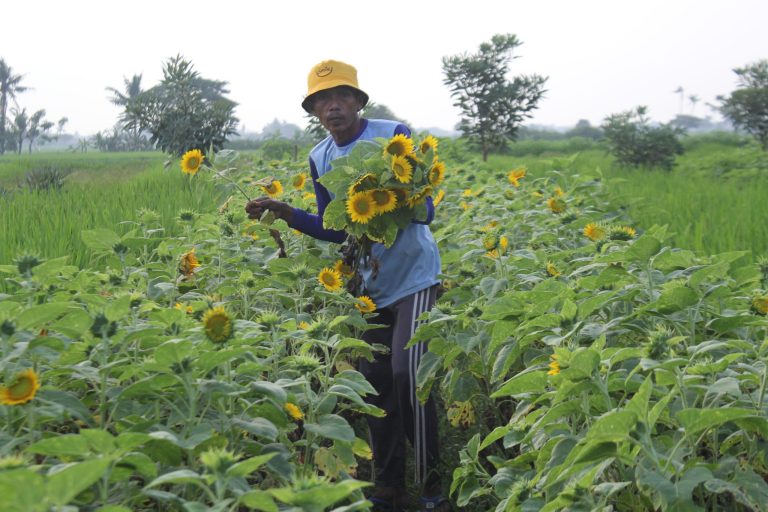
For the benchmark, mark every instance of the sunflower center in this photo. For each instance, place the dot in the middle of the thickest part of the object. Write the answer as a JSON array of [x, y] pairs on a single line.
[[20, 388], [329, 279], [396, 148], [362, 206]]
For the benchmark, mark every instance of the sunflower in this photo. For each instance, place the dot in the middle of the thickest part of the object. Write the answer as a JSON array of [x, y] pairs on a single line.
[[503, 243], [554, 365], [22, 388], [439, 197], [419, 197], [556, 204], [465, 205], [330, 278], [361, 207], [191, 161], [217, 324], [490, 241], [436, 174], [274, 189], [515, 175], [385, 199], [559, 192], [343, 269], [428, 143], [552, 270], [365, 304], [622, 233], [467, 193], [594, 231], [188, 263], [402, 169], [360, 182], [299, 181], [399, 145], [760, 304], [293, 411]]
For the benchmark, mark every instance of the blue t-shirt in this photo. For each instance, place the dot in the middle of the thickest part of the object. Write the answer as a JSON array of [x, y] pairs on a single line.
[[412, 263]]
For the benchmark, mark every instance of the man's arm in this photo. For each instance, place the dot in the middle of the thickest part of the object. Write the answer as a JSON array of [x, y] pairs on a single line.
[[312, 224]]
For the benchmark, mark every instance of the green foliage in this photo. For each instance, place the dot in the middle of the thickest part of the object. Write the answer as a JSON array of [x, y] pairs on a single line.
[[10, 86], [747, 106], [492, 107], [184, 111], [633, 141]]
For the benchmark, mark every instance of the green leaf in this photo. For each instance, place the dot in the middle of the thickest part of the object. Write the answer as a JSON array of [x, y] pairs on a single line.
[[583, 364], [333, 427], [63, 445], [335, 215], [64, 485], [181, 476], [20, 491], [259, 500], [528, 382], [41, 314], [102, 240], [698, 420], [613, 426], [676, 298], [643, 248], [260, 427], [99, 440], [248, 466]]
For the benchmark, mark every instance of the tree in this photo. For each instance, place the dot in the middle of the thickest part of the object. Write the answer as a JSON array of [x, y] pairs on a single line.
[[60, 125], [747, 106], [184, 111], [681, 92], [20, 126], [131, 88], [492, 107], [38, 127], [9, 88], [633, 141], [584, 129], [694, 99]]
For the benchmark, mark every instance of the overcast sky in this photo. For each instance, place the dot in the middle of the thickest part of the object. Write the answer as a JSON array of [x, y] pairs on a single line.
[[601, 56]]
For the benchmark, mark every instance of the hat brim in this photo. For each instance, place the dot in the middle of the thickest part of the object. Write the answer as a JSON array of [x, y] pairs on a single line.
[[306, 104]]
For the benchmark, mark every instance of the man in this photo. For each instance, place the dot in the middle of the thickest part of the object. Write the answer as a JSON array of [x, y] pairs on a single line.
[[405, 286]]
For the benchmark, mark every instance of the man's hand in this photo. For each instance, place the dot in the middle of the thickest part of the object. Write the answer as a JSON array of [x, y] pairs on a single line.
[[257, 207]]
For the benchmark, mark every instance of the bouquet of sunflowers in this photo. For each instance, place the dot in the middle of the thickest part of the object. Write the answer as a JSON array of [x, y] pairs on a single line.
[[379, 188]]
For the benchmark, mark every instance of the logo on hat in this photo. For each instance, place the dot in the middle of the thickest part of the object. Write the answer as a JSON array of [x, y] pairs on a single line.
[[324, 71]]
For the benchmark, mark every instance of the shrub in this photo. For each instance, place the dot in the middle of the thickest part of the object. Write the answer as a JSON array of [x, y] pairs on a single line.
[[633, 141]]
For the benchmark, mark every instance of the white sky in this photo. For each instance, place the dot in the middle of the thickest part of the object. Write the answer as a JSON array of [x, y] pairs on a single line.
[[601, 56]]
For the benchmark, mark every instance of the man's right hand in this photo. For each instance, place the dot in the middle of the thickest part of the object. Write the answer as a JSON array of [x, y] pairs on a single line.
[[257, 207]]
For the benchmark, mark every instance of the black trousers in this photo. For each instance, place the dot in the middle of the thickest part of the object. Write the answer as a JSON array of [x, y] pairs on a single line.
[[394, 377]]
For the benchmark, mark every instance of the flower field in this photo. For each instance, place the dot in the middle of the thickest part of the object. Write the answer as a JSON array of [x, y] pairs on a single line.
[[582, 362]]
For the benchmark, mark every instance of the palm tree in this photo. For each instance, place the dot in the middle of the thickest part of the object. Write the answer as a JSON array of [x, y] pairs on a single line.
[[20, 126], [131, 89], [681, 92], [9, 88], [694, 99]]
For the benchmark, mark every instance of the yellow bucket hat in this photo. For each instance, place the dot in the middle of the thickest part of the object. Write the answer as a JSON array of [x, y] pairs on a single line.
[[327, 75]]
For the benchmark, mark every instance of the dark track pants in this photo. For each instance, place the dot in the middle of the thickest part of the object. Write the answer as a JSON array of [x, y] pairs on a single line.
[[394, 377]]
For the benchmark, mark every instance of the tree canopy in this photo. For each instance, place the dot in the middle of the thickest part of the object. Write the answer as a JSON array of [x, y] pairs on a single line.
[[747, 106], [492, 107], [184, 111]]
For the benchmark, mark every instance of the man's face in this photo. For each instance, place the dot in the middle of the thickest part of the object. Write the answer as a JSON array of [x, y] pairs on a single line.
[[337, 109]]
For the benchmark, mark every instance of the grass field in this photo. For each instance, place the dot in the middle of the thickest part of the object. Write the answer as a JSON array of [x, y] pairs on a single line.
[[102, 191], [712, 200]]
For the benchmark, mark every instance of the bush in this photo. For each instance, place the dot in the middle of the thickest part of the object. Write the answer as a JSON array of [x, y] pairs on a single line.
[[47, 177], [633, 141]]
